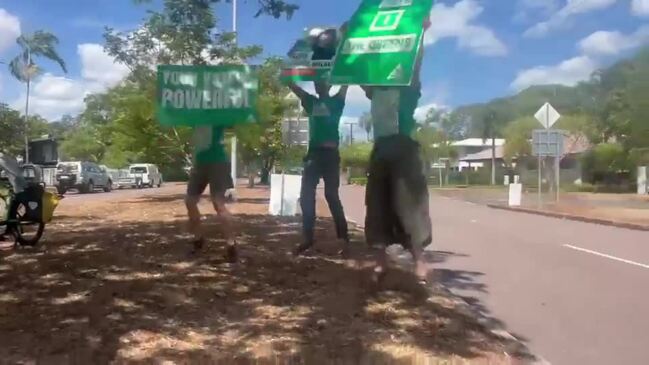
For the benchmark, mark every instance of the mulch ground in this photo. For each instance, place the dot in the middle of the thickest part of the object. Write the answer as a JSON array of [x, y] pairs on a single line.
[[115, 282]]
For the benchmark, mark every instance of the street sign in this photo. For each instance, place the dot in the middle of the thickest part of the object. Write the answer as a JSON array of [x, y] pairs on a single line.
[[381, 44], [206, 95], [547, 115], [548, 142]]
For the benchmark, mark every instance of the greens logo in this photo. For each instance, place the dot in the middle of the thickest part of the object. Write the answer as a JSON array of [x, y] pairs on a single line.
[[386, 20]]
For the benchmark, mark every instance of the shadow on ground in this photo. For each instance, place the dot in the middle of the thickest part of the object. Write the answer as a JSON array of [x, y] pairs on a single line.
[[130, 292]]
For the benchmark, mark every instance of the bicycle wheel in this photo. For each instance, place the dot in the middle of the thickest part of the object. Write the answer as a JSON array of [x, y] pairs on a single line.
[[27, 232]]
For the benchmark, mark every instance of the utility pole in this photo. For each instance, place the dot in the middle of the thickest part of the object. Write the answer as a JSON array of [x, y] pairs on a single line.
[[233, 157], [351, 132], [29, 81]]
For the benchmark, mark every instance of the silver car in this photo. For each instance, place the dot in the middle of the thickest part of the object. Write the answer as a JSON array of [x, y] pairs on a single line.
[[82, 176]]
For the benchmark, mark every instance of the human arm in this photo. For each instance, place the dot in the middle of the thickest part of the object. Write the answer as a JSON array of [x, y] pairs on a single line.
[[298, 91], [369, 90], [342, 93]]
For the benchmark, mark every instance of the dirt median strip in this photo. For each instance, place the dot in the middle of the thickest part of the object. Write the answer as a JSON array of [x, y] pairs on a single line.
[[116, 280], [572, 217]]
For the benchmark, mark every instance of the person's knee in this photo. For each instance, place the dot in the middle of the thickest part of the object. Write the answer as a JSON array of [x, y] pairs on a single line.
[[219, 205]]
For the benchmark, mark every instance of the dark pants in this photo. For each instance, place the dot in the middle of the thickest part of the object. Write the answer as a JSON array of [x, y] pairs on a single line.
[[321, 163], [397, 195]]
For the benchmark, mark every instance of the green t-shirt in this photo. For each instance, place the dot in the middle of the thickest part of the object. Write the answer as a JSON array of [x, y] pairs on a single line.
[[208, 145], [393, 110], [324, 119]]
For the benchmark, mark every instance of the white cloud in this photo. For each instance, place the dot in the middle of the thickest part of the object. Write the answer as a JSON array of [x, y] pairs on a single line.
[[640, 7], [9, 29], [613, 42], [457, 22], [98, 68], [563, 16], [569, 73], [422, 112], [54, 96], [526, 9]]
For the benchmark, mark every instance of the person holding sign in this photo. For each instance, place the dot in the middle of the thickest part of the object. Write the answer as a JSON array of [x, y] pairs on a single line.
[[397, 191], [211, 167], [322, 159]]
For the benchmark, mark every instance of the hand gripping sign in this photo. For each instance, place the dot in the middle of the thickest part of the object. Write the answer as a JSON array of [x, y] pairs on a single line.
[[311, 57]]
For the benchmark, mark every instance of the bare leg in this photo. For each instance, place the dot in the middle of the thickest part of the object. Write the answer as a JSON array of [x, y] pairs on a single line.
[[381, 268], [225, 222], [421, 270], [194, 215]]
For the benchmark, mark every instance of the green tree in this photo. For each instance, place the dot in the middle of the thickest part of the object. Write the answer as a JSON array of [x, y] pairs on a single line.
[[261, 143], [24, 68], [182, 32], [492, 121], [356, 155], [518, 136], [12, 131]]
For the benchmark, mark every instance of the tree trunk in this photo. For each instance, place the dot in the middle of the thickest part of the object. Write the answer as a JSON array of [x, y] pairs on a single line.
[[27, 121], [265, 176], [251, 175], [493, 160]]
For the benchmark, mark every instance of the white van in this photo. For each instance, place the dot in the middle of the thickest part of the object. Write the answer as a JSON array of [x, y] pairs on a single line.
[[142, 175]]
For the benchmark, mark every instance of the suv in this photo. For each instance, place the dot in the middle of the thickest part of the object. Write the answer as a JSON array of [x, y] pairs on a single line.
[[142, 175], [82, 176]]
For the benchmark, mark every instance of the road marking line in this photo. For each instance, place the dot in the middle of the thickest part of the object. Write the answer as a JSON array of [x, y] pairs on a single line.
[[607, 256]]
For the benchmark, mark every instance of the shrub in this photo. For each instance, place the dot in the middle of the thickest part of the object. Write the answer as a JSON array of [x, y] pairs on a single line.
[[356, 155], [362, 181]]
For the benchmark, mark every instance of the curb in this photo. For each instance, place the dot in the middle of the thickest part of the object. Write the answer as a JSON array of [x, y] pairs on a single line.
[[513, 346], [572, 217]]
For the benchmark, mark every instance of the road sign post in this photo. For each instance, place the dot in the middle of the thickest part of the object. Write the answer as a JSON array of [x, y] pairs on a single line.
[[548, 143]]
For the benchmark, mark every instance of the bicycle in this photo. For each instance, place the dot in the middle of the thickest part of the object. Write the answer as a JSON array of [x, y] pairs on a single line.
[[22, 214]]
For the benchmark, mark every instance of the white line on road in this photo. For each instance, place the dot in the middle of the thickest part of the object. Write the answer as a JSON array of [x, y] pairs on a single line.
[[607, 256]]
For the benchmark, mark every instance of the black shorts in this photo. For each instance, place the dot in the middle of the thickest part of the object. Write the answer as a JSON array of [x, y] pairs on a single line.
[[216, 175], [397, 195]]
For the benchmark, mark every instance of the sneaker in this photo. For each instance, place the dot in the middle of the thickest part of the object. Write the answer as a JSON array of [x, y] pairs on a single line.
[[378, 276], [232, 254], [301, 249], [345, 252]]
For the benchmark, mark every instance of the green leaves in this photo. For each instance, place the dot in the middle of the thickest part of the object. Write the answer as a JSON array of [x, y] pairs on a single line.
[[356, 155], [40, 44], [274, 8]]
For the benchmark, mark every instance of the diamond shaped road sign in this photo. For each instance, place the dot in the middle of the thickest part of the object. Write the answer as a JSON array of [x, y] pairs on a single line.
[[547, 115]]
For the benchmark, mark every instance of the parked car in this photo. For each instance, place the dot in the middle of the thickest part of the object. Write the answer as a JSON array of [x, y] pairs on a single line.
[[82, 176], [114, 174], [141, 175]]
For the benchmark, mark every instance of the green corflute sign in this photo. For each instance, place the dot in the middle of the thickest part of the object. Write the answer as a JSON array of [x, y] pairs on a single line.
[[381, 43], [206, 95]]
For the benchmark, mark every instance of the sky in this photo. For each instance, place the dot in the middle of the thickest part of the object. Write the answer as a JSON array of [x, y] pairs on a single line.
[[476, 50]]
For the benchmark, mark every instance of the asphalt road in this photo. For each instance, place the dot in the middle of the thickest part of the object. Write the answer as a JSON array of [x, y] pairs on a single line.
[[575, 293]]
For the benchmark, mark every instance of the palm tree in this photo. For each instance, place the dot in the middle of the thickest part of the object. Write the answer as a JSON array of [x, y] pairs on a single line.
[[24, 68]]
